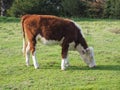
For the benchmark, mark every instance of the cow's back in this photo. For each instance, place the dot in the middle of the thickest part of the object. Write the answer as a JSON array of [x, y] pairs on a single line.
[[49, 27]]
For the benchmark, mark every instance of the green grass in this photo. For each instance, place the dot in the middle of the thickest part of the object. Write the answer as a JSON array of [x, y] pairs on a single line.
[[102, 34]]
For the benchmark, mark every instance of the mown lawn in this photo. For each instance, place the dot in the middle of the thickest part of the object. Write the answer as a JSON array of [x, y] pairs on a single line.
[[103, 35]]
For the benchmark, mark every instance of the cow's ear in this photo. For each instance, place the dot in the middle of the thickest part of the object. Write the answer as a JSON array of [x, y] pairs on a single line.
[[88, 50], [83, 52]]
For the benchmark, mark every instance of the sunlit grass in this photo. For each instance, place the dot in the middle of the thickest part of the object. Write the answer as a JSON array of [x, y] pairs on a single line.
[[14, 75]]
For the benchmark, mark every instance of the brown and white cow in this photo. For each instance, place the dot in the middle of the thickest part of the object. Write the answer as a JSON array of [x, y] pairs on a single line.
[[51, 29]]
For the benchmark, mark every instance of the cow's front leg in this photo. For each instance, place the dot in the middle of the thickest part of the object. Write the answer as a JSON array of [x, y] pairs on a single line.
[[67, 62], [32, 48], [64, 61]]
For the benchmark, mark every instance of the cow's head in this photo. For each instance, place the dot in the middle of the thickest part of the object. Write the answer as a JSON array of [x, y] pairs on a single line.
[[88, 57]]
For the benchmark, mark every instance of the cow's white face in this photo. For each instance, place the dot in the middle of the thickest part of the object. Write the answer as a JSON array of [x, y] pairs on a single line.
[[88, 57]]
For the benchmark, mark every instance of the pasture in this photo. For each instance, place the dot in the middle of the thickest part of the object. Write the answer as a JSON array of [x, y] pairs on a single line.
[[102, 34]]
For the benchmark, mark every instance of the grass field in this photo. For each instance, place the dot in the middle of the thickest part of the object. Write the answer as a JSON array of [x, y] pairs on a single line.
[[103, 35]]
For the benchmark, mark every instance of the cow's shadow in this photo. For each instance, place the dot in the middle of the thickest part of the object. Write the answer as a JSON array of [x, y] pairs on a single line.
[[98, 67]]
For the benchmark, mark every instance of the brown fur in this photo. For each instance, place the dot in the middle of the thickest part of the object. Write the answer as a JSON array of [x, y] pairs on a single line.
[[51, 28]]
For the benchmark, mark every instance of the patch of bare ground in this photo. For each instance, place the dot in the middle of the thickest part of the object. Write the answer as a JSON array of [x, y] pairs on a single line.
[[115, 30]]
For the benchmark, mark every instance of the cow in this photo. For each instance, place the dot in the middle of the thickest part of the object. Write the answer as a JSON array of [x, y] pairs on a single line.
[[50, 30]]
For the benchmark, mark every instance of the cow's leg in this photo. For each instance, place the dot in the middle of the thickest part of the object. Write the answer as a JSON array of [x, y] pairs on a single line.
[[64, 61], [32, 49], [27, 53], [67, 62], [24, 46]]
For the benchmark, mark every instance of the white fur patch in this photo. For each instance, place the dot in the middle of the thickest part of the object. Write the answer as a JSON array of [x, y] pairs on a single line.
[[27, 53], [64, 63], [87, 55], [80, 49], [92, 63], [48, 42], [23, 49], [36, 65], [82, 52]]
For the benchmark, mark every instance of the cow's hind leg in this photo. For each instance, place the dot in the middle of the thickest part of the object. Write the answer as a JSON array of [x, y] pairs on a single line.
[[24, 47], [33, 51], [27, 54]]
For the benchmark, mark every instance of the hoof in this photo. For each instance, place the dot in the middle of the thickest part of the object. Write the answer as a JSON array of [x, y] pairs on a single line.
[[67, 65], [36, 67], [63, 69], [27, 65], [92, 66]]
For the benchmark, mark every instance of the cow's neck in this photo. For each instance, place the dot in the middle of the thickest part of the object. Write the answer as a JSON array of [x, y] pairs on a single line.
[[83, 43]]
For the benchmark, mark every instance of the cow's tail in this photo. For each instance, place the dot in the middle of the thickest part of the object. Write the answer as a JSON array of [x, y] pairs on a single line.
[[23, 32]]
